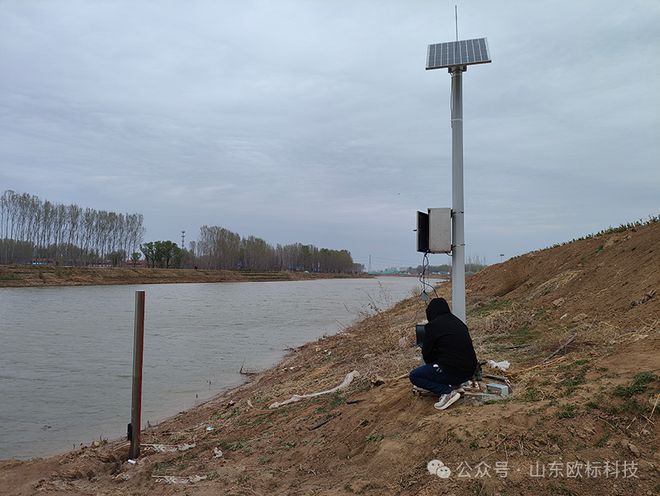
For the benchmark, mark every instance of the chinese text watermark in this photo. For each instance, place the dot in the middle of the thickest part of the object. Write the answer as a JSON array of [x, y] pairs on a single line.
[[608, 469]]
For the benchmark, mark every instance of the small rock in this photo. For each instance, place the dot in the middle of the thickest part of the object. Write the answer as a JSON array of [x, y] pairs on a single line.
[[377, 381], [96, 444], [558, 302], [563, 316], [633, 449], [217, 453]]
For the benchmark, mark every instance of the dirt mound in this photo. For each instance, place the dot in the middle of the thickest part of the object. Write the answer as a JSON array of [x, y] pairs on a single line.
[[579, 324], [608, 275]]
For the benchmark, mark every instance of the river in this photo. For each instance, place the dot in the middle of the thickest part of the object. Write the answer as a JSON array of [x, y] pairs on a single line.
[[66, 352]]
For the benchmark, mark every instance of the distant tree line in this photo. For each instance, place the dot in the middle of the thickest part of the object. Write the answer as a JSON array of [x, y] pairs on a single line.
[[39, 231], [220, 248], [36, 230]]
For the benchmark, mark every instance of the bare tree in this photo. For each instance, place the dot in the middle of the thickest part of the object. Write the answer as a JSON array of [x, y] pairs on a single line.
[[63, 233]]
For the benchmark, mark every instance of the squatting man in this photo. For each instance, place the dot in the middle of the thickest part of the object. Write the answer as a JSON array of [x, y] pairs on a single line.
[[449, 357]]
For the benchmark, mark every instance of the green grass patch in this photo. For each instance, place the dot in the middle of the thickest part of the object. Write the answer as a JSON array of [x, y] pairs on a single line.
[[638, 385], [337, 400], [524, 335], [567, 411], [490, 307], [575, 375], [532, 394], [374, 438]]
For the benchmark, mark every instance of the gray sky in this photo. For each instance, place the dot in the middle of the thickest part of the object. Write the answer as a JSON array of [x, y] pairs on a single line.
[[315, 122]]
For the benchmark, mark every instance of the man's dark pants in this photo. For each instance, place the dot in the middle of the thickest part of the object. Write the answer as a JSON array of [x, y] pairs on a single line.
[[434, 379]]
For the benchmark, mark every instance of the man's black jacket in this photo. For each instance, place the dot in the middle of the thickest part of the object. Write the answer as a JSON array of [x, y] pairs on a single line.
[[447, 341]]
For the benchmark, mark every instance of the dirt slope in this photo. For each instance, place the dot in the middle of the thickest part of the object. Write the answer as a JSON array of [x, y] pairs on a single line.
[[587, 408]]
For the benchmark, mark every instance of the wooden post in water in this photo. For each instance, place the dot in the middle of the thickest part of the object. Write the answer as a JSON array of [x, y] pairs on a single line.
[[136, 403]]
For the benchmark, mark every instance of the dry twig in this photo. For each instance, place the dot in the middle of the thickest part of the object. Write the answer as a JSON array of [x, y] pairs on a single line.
[[558, 350]]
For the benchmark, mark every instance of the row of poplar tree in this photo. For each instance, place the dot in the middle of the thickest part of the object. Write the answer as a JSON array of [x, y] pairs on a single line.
[[35, 230], [32, 230], [220, 248]]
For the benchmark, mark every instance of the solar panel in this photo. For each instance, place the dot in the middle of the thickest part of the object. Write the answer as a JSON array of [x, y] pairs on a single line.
[[457, 53]]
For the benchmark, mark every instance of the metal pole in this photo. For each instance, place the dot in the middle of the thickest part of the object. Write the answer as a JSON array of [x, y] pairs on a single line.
[[458, 226], [136, 403]]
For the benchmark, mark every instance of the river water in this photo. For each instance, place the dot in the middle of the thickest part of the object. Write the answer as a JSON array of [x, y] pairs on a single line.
[[66, 352]]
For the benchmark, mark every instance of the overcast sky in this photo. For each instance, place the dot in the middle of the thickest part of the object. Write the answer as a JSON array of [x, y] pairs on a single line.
[[316, 122]]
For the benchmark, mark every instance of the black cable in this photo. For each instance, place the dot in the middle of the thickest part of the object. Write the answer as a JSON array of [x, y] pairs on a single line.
[[422, 277]]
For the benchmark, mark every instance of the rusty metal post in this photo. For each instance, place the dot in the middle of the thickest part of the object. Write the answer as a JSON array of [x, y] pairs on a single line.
[[136, 403]]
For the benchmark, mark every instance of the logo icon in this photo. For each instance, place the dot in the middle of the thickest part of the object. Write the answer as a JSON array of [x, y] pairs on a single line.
[[436, 467]]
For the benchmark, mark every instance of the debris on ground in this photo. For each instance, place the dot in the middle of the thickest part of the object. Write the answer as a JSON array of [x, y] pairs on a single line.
[[501, 365], [172, 479], [298, 397], [164, 448]]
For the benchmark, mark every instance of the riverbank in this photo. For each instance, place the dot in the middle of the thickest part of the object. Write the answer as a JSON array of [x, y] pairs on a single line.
[[20, 276], [579, 324]]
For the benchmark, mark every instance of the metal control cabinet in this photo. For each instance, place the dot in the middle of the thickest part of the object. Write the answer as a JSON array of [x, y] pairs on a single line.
[[440, 230]]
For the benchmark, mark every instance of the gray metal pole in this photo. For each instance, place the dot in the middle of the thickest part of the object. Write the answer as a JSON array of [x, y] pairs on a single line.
[[458, 226], [136, 403]]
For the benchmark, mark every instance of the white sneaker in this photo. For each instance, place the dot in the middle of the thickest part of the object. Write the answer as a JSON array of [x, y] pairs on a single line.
[[447, 400]]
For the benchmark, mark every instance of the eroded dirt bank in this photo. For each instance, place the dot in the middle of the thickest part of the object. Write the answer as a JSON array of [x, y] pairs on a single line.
[[16, 276]]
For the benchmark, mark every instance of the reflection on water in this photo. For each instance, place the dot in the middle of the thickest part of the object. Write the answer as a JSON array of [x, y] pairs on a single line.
[[66, 353]]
